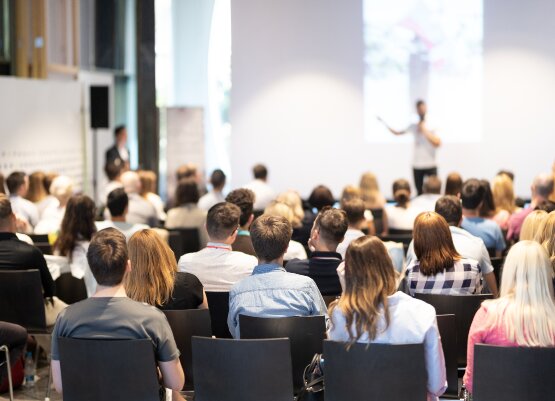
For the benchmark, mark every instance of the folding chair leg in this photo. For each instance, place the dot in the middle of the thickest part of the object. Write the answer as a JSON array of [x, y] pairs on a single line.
[[9, 367]]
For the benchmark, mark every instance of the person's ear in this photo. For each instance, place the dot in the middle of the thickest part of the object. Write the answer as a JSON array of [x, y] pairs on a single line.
[[251, 219], [128, 267]]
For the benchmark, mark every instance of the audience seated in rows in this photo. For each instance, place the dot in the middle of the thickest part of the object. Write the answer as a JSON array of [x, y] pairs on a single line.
[[352, 192], [542, 187], [400, 216], [466, 244], [472, 197], [524, 314], [113, 173], [140, 210], [215, 195], [77, 229], [217, 266], [38, 192], [354, 211], [531, 225], [438, 267], [271, 291], [327, 233], [61, 190], [118, 205], [371, 310], [295, 250], [319, 198], [453, 184], [244, 199], [190, 170], [503, 199], [148, 191], [263, 193], [154, 278], [109, 313], [18, 185], [373, 198], [187, 214], [431, 192], [294, 201]]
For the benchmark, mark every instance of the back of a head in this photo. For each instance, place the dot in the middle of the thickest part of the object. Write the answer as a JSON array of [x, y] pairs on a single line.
[[433, 243], [117, 202], [217, 179], [152, 276], [531, 225], [244, 199], [77, 224], [508, 173], [148, 181], [488, 205], [350, 192], [260, 172], [332, 225], [61, 187], [14, 181], [293, 199], [36, 191], [545, 235], [543, 185], [188, 170], [48, 179], [321, 197], [131, 182], [276, 208], [113, 171], [503, 193], [449, 207], [5, 211], [354, 209], [527, 287], [120, 129], [453, 184], [2, 184], [222, 220], [270, 237], [401, 192], [472, 194], [107, 257], [432, 185], [186, 192]]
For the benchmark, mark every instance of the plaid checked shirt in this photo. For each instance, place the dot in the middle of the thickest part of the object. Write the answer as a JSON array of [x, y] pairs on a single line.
[[464, 277]]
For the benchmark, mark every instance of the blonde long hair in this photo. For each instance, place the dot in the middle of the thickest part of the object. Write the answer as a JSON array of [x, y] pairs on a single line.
[[369, 280], [370, 191], [503, 193], [153, 269], [546, 236], [531, 225], [526, 307], [37, 191], [294, 201]]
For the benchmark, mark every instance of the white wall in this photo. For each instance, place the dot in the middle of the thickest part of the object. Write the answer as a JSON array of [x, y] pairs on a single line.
[[297, 100]]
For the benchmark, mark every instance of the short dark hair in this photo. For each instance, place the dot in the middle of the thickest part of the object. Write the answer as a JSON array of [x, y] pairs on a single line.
[[472, 194], [113, 170], [118, 130], [420, 102], [321, 197], [508, 173], [217, 179], [453, 184], [432, 185], [332, 224], [15, 180], [222, 220], [449, 207], [244, 198], [546, 205], [354, 209], [107, 257], [186, 191], [117, 202], [5, 207], [260, 172], [270, 236]]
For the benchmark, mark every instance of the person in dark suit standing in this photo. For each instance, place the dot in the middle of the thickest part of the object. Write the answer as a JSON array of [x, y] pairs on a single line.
[[118, 154]]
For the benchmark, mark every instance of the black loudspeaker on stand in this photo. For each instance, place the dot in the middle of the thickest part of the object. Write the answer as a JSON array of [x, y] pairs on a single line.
[[100, 116]]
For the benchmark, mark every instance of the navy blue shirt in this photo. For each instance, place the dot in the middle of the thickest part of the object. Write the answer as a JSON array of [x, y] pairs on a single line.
[[322, 268]]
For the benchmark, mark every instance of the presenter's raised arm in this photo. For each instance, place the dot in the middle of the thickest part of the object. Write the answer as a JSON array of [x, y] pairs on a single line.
[[394, 132]]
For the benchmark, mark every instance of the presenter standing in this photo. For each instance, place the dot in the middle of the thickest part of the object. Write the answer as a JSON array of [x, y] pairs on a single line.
[[119, 154], [425, 144]]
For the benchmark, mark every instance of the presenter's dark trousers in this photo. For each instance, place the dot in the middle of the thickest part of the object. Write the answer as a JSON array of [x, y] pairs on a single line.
[[420, 175]]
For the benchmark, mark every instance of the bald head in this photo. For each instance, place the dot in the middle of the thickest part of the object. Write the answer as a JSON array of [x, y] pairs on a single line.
[[542, 187]]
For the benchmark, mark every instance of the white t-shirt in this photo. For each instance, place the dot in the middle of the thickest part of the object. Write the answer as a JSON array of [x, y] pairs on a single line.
[[263, 193], [400, 218], [351, 235], [424, 155], [295, 251]]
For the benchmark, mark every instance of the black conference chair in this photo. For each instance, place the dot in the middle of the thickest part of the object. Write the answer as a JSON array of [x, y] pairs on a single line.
[[185, 324], [497, 264], [108, 370], [70, 289], [328, 299], [6, 361], [374, 372], [218, 305], [406, 233], [378, 219], [22, 302], [305, 332], [513, 373], [464, 307], [41, 242], [448, 332], [183, 240], [242, 370]]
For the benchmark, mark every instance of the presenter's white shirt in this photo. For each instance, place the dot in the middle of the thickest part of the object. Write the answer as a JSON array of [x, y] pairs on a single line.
[[424, 155]]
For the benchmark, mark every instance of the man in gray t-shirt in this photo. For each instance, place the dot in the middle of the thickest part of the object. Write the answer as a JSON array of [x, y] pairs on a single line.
[[109, 314]]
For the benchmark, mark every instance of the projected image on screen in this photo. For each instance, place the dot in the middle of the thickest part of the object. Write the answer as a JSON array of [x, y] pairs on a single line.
[[423, 49]]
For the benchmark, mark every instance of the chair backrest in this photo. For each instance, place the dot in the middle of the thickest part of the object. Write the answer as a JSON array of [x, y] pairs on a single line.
[[242, 370], [185, 324], [41, 242], [21, 299], [395, 231], [374, 372], [70, 289], [448, 332], [305, 332], [497, 264], [218, 305], [378, 219], [464, 307], [328, 299], [513, 373], [108, 370], [184, 240]]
